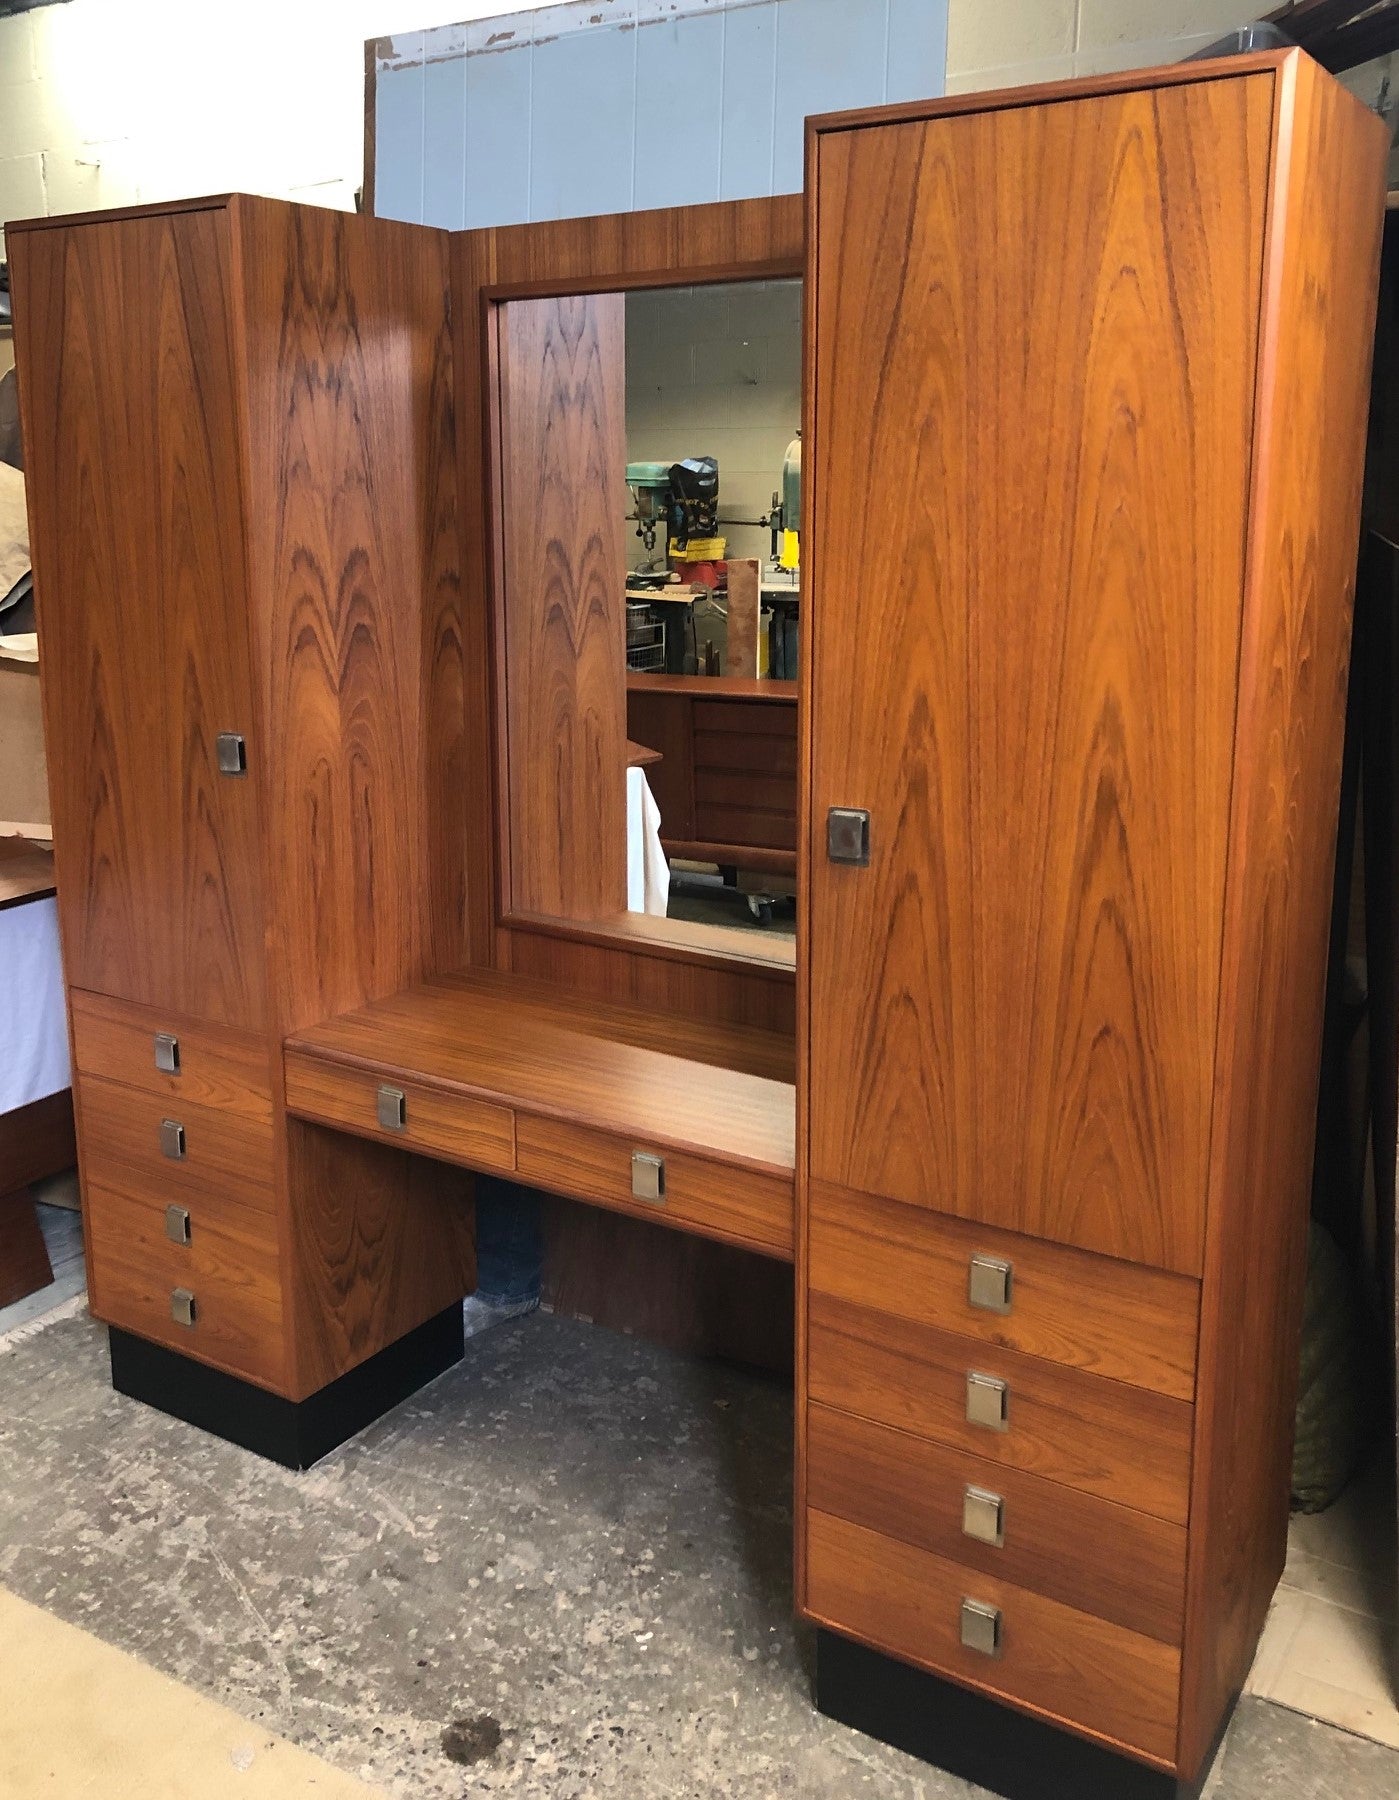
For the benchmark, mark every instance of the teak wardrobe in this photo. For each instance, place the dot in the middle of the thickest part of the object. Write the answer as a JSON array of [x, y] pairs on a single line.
[[1086, 377]]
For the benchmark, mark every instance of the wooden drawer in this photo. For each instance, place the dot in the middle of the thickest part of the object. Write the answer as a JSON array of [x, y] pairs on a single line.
[[1113, 1684], [438, 1122], [230, 1266], [227, 1157], [1090, 1312], [1123, 1444], [714, 1199], [219, 1066], [1108, 1560]]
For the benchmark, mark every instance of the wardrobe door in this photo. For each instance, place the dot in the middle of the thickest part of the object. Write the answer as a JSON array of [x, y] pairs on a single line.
[[1035, 338], [129, 398]]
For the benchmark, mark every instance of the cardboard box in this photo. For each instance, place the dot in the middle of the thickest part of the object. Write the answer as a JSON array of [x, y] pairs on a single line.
[[24, 779]]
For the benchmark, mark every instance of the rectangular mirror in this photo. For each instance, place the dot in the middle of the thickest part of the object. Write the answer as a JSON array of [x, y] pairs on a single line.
[[649, 608]]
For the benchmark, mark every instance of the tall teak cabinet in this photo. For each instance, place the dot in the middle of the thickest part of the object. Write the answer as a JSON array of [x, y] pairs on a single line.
[[238, 419], [1087, 374]]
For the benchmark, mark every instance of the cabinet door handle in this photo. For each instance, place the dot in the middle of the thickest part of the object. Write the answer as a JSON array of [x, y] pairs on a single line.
[[981, 1627], [988, 1401], [984, 1516], [648, 1177], [848, 836], [989, 1283], [167, 1053], [172, 1139], [184, 1308], [177, 1225], [393, 1108]]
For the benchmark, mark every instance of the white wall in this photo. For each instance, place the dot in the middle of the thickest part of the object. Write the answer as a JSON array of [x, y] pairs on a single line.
[[108, 102], [1003, 43], [716, 371]]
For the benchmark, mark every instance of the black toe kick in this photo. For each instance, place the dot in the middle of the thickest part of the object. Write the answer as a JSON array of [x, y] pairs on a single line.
[[295, 1433], [968, 1735]]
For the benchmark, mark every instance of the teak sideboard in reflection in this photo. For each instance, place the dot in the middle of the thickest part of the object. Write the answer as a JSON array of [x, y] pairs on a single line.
[[1085, 386]]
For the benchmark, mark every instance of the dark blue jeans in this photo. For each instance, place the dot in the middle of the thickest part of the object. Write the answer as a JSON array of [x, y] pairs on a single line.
[[509, 1249]]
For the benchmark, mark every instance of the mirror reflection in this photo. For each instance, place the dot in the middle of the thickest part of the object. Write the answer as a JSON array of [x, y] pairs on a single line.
[[713, 593]]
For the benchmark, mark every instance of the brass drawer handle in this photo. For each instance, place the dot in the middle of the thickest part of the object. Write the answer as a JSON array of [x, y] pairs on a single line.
[[167, 1053], [393, 1108], [172, 1139], [989, 1282], [981, 1627], [177, 1225], [183, 1306], [988, 1401], [648, 1177], [984, 1516]]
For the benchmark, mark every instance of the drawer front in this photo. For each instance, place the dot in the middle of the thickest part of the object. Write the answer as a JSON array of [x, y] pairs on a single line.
[[218, 1066], [476, 1133], [1066, 1665], [1098, 1557], [713, 1199], [1100, 1437], [128, 1144], [1089, 1312], [229, 1267]]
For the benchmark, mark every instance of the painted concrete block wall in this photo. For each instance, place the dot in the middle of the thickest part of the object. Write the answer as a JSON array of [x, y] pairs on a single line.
[[716, 371], [613, 105], [111, 102], [1004, 43]]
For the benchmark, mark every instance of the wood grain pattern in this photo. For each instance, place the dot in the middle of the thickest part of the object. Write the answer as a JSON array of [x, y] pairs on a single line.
[[346, 339], [381, 1242], [127, 382], [228, 1265], [37, 1140], [1111, 1684], [687, 1293], [488, 1038], [24, 1256], [227, 1155], [1108, 1318], [1120, 1565], [219, 1067], [1315, 354], [1045, 319], [562, 461], [474, 1133], [735, 1206], [1101, 1437]]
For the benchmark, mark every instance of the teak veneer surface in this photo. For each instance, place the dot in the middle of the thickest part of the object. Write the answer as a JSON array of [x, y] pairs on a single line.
[[128, 390], [725, 1093], [1045, 318]]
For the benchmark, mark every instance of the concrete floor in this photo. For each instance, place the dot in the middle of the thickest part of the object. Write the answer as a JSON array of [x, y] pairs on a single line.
[[579, 1534]]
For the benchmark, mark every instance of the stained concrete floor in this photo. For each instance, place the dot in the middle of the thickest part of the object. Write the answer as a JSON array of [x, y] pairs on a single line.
[[585, 1536]]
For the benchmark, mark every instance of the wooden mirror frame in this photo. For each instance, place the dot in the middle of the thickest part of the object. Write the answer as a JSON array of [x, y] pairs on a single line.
[[731, 241]]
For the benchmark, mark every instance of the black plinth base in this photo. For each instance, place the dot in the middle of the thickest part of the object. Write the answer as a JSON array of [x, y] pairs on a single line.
[[971, 1736], [295, 1433]]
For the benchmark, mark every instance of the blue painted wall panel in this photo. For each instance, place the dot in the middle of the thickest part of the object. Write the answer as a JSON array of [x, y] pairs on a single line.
[[750, 77], [584, 118], [444, 143], [679, 109], [602, 106]]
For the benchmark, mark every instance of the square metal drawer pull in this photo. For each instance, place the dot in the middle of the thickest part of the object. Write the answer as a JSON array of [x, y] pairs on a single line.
[[984, 1517], [981, 1627], [988, 1401], [183, 1307], [172, 1139], [393, 1108], [648, 1177], [232, 753], [989, 1283], [177, 1224], [167, 1053], [848, 836]]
